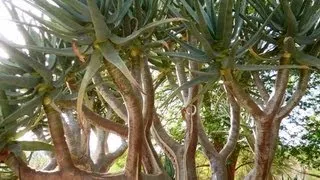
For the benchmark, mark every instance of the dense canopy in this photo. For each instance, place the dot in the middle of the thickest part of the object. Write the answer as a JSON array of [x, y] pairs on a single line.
[[194, 89]]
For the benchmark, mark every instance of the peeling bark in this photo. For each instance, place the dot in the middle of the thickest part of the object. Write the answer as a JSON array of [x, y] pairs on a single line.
[[265, 148], [134, 109]]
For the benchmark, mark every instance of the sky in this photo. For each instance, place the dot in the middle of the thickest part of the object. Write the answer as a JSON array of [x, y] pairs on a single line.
[[8, 29]]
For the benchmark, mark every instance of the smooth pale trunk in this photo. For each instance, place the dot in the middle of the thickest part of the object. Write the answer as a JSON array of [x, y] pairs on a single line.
[[265, 148], [218, 167]]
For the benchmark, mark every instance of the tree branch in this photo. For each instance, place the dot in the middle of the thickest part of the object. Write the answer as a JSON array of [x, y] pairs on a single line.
[[107, 160], [134, 109], [275, 101], [243, 164], [108, 96], [148, 97], [97, 120], [242, 97], [182, 78], [105, 124], [169, 145], [250, 139], [150, 161], [262, 90], [192, 118], [162, 137], [23, 170], [209, 149], [297, 95], [234, 128], [62, 152]]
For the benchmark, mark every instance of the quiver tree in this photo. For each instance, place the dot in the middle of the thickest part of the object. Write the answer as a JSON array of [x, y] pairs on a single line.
[[273, 107], [101, 62], [278, 38], [89, 40]]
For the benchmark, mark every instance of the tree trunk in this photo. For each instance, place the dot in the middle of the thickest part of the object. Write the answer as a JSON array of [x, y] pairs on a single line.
[[231, 163], [134, 109], [219, 170], [265, 148]]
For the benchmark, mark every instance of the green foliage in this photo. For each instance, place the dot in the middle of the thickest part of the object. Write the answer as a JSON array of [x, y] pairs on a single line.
[[119, 164], [308, 151], [215, 116], [168, 166], [242, 35]]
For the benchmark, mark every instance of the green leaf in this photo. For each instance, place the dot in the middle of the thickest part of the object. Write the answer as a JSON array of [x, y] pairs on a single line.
[[211, 13], [104, 7], [308, 39], [34, 146], [190, 11], [14, 15], [204, 42], [74, 8], [126, 40], [5, 107], [57, 14], [101, 29], [193, 82], [256, 37], [111, 18], [187, 46], [92, 68], [296, 6], [225, 21], [112, 56], [152, 11], [264, 11], [19, 82], [168, 167], [254, 67], [202, 58], [33, 122], [309, 9], [209, 85], [21, 58], [61, 52], [312, 21], [240, 7], [9, 69], [55, 27], [123, 11], [27, 108], [307, 59], [78, 6], [290, 19], [204, 22]]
